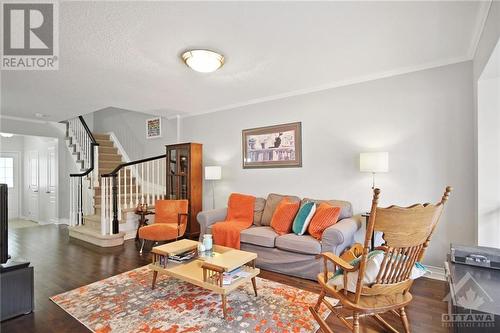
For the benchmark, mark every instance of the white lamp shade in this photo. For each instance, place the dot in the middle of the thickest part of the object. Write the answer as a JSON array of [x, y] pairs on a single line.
[[374, 162], [213, 172]]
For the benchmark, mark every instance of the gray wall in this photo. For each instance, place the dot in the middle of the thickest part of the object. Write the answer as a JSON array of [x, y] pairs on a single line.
[[423, 119], [130, 129]]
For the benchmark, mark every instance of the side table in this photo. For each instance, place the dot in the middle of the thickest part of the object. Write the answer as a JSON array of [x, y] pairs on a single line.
[[142, 221]]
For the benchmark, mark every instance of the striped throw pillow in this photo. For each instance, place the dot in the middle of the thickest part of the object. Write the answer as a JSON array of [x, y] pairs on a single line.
[[325, 216], [283, 216], [304, 216]]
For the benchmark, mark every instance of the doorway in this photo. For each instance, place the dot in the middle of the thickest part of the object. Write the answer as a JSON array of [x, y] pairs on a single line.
[[30, 166]]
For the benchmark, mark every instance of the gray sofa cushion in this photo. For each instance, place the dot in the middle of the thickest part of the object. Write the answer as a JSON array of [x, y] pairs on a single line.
[[346, 207], [258, 209], [272, 202], [298, 244], [261, 236]]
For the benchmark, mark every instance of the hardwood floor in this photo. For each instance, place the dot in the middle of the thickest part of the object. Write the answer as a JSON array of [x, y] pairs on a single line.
[[62, 264]]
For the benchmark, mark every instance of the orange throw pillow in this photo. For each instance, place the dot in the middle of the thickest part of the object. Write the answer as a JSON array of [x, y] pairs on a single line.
[[326, 215], [240, 207], [283, 216]]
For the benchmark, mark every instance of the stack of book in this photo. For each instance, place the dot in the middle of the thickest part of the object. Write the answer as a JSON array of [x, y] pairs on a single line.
[[234, 275], [182, 257]]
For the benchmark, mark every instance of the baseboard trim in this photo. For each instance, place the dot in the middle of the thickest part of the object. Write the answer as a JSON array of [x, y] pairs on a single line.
[[435, 273]]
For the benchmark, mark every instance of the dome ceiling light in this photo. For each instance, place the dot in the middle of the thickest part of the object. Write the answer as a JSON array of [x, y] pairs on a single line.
[[203, 61]]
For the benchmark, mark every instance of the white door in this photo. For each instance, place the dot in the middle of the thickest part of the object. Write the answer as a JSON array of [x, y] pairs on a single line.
[[51, 187], [9, 174], [33, 185]]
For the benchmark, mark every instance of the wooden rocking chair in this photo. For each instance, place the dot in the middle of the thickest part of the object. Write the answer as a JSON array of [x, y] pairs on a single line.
[[406, 232]]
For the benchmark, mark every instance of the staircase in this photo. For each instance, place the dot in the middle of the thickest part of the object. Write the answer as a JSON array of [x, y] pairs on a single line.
[[90, 231], [106, 190]]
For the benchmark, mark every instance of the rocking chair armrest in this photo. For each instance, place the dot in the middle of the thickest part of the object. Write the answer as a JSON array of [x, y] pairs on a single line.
[[337, 261]]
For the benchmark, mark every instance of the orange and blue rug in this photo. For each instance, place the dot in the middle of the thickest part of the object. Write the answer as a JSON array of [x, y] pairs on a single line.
[[125, 303]]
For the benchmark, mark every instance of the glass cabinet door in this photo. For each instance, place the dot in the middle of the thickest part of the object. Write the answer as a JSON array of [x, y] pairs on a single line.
[[183, 161], [177, 173], [172, 187], [172, 162]]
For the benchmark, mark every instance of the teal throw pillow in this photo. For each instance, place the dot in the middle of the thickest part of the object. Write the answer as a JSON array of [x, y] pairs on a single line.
[[303, 218]]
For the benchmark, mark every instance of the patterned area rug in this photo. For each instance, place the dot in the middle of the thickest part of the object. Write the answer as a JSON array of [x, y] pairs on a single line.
[[126, 303]]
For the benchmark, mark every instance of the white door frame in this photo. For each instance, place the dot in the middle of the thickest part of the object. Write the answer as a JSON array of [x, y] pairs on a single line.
[[18, 175]]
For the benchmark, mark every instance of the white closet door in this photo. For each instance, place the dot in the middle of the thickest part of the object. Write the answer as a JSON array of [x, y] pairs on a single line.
[[33, 187], [51, 190]]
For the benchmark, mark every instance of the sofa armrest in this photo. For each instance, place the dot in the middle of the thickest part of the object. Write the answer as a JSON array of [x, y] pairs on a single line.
[[209, 217], [340, 235]]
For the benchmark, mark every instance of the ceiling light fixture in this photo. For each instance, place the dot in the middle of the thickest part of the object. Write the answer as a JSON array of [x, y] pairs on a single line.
[[6, 135], [204, 61]]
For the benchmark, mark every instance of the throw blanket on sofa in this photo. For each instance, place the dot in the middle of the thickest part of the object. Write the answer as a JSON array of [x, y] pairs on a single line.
[[239, 217]]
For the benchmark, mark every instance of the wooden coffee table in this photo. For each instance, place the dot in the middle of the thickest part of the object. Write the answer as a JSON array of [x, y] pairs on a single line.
[[205, 272]]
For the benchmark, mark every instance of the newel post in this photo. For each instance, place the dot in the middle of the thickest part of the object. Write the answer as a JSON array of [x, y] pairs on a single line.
[[115, 205]]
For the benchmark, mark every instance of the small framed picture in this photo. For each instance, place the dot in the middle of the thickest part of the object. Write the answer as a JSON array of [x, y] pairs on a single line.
[[153, 128], [278, 146]]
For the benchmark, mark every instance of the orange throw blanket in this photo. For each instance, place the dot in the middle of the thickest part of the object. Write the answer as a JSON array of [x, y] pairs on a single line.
[[239, 217]]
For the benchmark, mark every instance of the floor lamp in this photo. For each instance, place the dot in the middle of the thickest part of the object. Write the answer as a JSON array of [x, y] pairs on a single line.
[[374, 163], [213, 173]]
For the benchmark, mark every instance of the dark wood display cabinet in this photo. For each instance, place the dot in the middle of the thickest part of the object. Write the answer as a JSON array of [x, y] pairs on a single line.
[[185, 180]]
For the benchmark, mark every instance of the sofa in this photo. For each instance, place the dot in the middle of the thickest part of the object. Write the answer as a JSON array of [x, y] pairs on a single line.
[[288, 254]]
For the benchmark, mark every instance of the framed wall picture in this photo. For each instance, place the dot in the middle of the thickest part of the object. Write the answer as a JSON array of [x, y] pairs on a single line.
[[153, 128], [278, 146]]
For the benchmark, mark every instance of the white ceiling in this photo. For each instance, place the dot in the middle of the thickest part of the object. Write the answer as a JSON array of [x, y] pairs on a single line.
[[126, 54]]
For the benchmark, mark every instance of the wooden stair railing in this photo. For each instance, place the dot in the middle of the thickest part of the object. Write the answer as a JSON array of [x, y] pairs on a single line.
[[87, 150], [128, 185]]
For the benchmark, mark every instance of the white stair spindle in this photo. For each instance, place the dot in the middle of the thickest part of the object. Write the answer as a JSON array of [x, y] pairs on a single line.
[[131, 203], [125, 202], [96, 166], [136, 185], [119, 194], [153, 183], [157, 187], [110, 204], [146, 185], [164, 176], [142, 184], [103, 207], [71, 217]]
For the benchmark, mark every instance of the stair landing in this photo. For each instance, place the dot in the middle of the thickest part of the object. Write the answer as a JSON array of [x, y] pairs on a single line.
[[90, 234]]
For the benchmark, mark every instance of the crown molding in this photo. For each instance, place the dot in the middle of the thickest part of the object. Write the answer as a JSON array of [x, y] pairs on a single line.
[[29, 120]]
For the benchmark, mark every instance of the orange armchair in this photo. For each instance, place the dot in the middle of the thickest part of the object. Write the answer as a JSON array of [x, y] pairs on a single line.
[[170, 222]]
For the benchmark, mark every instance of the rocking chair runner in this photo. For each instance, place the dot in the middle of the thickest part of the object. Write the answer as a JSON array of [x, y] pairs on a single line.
[[406, 232]]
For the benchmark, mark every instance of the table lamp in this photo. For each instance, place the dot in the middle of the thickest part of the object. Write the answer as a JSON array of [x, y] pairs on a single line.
[[375, 162], [213, 173]]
